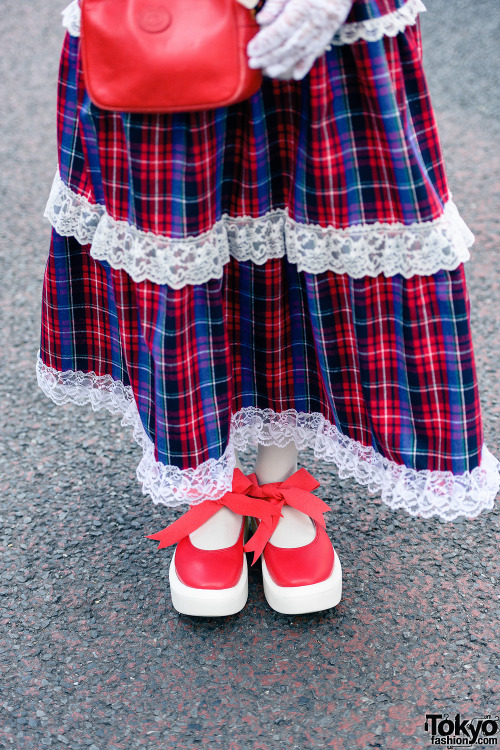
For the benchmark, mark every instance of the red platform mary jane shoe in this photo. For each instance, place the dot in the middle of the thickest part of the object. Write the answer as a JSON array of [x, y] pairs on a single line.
[[208, 574], [300, 569]]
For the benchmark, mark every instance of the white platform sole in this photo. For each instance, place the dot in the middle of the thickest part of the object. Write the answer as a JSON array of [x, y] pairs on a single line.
[[298, 600], [208, 602]]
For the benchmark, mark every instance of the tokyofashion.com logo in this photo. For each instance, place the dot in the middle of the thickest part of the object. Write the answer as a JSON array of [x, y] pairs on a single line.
[[459, 732]]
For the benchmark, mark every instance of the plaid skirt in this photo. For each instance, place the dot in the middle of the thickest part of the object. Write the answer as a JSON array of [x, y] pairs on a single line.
[[289, 268]]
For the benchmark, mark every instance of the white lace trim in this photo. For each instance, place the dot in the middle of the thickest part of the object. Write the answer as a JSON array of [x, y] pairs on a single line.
[[421, 248], [420, 493], [71, 18], [370, 30], [167, 485], [374, 29], [72, 214]]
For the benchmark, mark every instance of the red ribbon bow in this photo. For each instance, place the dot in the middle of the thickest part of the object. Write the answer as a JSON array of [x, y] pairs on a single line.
[[294, 491], [241, 499]]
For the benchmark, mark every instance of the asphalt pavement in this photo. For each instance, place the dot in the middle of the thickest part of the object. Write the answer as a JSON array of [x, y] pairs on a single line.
[[92, 655]]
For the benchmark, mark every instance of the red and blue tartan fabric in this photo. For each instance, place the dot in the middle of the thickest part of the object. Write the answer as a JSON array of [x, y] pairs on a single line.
[[286, 268]]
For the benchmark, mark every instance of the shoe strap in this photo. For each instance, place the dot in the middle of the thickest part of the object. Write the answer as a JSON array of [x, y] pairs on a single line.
[[296, 491], [239, 500]]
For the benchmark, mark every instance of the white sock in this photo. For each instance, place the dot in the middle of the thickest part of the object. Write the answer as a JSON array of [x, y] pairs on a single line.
[[220, 531], [276, 464]]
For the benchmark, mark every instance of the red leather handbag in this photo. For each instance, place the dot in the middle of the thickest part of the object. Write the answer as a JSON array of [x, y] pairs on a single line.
[[167, 55]]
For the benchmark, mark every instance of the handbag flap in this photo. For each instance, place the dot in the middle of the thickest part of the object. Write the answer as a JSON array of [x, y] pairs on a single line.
[[166, 55]]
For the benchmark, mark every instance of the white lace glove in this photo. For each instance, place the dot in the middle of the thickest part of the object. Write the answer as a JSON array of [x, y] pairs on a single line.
[[294, 34]]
